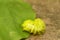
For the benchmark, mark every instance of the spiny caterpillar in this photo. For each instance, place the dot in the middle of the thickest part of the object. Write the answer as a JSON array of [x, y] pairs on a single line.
[[34, 26]]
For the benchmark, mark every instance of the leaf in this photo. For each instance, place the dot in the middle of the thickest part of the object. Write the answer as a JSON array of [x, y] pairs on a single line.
[[12, 14]]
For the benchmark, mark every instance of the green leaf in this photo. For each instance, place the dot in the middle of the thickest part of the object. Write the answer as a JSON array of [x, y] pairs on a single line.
[[12, 15]]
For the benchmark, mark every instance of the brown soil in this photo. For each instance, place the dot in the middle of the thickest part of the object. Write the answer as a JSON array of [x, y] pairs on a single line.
[[49, 11]]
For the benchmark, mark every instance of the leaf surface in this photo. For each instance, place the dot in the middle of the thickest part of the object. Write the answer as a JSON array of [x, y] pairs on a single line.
[[12, 15]]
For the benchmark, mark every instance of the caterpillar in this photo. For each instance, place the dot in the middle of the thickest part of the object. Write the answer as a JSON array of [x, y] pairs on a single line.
[[34, 26]]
